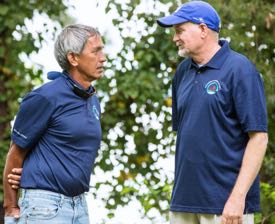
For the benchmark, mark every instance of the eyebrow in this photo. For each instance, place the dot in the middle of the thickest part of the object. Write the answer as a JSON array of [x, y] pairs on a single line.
[[98, 48], [179, 29]]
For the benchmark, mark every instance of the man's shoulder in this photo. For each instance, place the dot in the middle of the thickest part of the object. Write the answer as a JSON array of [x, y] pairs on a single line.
[[236, 58], [51, 88], [48, 92]]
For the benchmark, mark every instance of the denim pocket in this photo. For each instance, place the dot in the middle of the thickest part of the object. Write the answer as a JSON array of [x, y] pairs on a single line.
[[40, 208]]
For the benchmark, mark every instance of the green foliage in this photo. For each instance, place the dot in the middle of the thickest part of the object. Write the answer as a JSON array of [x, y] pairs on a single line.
[[268, 205], [137, 97], [15, 40], [138, 92]]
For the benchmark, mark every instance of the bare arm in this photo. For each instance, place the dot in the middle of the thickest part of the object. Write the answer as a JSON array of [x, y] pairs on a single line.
[[251, 164], [15, 159]]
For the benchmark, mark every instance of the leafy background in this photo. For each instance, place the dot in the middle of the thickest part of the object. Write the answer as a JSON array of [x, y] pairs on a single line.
[[136, 91]]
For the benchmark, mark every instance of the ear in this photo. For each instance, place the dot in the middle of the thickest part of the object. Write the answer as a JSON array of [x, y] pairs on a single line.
[[204, 30], [72, 58]]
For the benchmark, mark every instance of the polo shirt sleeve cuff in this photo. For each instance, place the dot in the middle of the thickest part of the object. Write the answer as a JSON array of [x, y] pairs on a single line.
[[256, 128], [19, 141]]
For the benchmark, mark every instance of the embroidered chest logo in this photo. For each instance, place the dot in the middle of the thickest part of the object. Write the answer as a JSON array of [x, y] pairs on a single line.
[[95, 112], [212, 87]]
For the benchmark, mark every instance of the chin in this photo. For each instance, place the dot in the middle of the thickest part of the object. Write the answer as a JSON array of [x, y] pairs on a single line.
[[98, 76], [183, 53]]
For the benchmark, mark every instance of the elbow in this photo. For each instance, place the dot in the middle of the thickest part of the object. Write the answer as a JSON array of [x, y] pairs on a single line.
[[265, 140], [260, 138]]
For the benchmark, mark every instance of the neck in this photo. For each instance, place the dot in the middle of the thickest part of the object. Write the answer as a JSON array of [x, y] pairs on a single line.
[[79, 78], [206, 53]]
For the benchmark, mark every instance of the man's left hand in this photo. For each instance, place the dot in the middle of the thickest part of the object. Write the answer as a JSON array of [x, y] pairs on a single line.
[[15, 177], [233, 210]]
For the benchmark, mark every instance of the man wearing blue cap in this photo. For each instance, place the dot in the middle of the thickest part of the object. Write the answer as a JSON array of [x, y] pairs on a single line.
[[56, 136], [219, 114]]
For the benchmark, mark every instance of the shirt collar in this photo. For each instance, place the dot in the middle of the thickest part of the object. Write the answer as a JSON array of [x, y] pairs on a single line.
[[218, 59], [70, 79]]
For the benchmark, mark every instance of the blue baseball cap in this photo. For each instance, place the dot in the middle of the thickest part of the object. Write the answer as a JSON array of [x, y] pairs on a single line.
[[194, 11]]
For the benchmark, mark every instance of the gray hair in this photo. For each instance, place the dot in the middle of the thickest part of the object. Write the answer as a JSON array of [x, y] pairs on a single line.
[[72, 39]]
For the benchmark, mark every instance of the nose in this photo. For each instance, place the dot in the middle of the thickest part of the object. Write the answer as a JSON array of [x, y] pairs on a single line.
[[103, 57], [175, 37]]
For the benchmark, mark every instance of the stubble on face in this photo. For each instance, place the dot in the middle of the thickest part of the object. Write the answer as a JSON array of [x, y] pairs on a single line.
[[183, 52], [180, 32], [187, 38]]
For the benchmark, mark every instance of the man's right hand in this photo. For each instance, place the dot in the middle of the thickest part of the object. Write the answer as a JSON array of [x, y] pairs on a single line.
[[12, 212], [14, 178], [15, 159]]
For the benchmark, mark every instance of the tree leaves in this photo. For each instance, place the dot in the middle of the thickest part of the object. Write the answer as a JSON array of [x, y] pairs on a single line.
[[15, 79], [140, 108], [137, 134]]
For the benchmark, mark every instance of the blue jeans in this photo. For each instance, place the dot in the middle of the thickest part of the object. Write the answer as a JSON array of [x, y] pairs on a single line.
[[46, 207], [9, 220]]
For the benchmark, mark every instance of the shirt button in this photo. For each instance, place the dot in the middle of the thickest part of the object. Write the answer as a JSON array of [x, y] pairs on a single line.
[[196, 82], [199, 72]]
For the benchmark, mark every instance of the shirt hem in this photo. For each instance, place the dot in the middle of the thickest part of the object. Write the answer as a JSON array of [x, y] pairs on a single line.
[[189, 209], [202, 210]]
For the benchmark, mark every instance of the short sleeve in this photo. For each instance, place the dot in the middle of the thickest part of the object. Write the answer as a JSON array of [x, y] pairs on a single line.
[[249, 99], [32, 120]]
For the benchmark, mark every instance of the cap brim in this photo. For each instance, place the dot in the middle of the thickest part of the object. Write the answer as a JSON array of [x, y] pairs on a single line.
[[171, 20]]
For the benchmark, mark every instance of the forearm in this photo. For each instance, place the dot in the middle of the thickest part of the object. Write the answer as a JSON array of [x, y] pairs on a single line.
[[10, 195], [14, 159], [251, 164]]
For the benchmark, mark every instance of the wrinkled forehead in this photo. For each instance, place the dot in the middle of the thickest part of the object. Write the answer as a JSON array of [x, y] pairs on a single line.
[[94, 40], [94, 37]]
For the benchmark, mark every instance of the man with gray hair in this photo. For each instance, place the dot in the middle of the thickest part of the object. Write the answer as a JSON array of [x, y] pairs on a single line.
[[219, 114], [56, 136]]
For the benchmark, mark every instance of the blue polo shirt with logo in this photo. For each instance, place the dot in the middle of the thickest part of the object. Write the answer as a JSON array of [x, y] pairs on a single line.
[[63, 133], [214, 108]]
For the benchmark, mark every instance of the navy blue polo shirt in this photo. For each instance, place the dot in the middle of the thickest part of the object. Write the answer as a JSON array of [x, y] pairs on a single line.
[[63, 132], [214, 108]]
